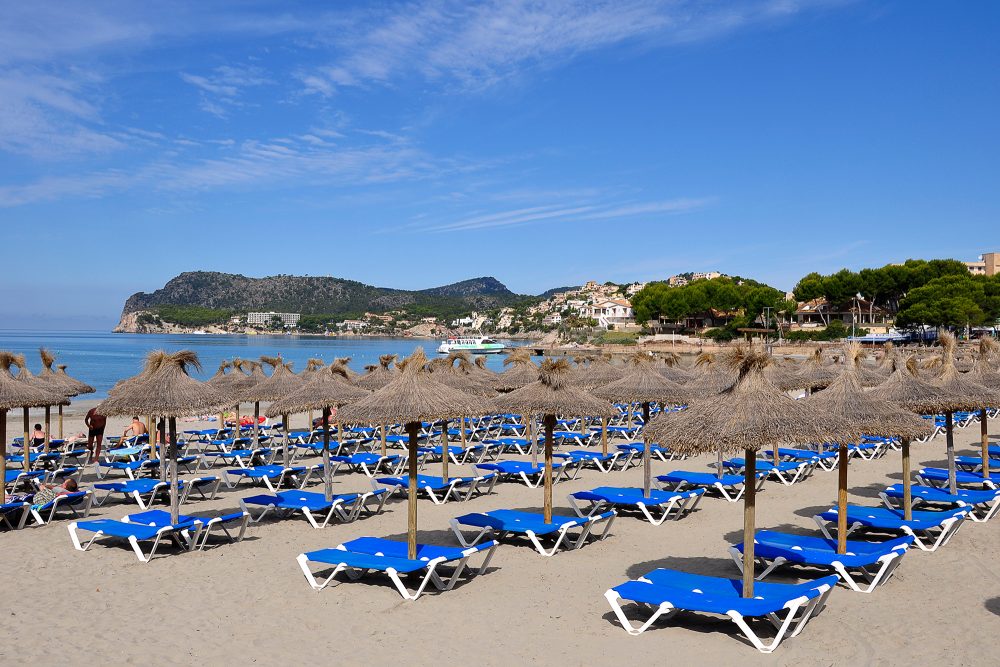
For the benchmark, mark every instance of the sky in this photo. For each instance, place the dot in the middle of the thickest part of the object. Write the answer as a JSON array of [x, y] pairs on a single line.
[[546, 143]]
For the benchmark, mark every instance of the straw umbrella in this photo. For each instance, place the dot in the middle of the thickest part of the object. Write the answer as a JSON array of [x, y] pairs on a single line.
[[642, 383], [167, 390], [714, 377], [312, 365], [871, 415], [815, 374], [551, 395], [748, 416], [463, 378], [412, 397], [374, 379], [672, 368], [522, 371], [985, 374], [328, 388], [282, 382], [68, 386], [964, 394], [344, 363], [903, 387], [17, 394], [55, 396]]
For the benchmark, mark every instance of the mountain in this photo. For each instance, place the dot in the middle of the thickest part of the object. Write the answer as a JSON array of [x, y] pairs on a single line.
[[312, 295]]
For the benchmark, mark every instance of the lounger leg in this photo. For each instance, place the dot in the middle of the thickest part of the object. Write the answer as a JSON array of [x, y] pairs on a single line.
[[461, 537], [665, 610]]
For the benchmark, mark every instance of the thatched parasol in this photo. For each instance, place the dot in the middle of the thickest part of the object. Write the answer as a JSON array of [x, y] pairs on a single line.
[[964, 394], [522, 371], [412, 397], [672, 369], [379, 376], [344, 362], [73, 387], [642, 383], [16, 394], [785, 375], [466, 377], [985, 373], [57, 396], [551, 395], [599, 371], [282, 382], [328, 388], [166, 389], [872, 415], [712, 379], [750, 415], [815, 374]]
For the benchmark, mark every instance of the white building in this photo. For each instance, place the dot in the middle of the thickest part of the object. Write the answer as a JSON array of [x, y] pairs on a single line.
[[287, 319], [353, 325], [610, 312], [552, 319]]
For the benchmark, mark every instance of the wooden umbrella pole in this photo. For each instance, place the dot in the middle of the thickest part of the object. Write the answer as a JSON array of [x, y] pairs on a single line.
[[383, 430], [163, 440], [256, 424], [842, 499], [530, 432], [984, 438], [907, 493], [174, 496], [583, 425], [647, 473], [444, 451], [287, 457], [461, 423], [949, 424], [3, 435], [236, 428], [327, 473], [604, 435], [25, 449], [150, 430], [629, 424], [749, 519], [550, 422], [412, 429], [48, 427], [60, 422]]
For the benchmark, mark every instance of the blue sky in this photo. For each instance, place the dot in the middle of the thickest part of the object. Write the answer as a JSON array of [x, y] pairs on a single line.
[[418, 143]]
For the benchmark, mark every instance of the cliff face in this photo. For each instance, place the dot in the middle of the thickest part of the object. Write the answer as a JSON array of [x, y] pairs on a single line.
[[304, 294]]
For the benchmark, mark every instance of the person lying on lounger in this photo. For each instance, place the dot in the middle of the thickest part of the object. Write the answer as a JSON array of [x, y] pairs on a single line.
[[47, 492]]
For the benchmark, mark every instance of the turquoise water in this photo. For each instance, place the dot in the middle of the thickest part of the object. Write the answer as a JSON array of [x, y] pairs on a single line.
[[101, 358]]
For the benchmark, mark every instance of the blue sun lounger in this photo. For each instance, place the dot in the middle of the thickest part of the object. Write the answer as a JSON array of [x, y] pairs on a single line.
[[634, 451], [78, 503], [623, 499], [368, 463], [182, 533], [786, 472], [131, 468], [14, 514], [729, 487], [15, 478], [531, 474], [521, 446], [826, 459], [669, 591], [983, 504], [939, 477], [314, 506], [271, 476], [532, 526], [929, 530], [373, 554], [975, 463], [601, 462], [235, 521], [439, 490], [872, 563], [145, 490]]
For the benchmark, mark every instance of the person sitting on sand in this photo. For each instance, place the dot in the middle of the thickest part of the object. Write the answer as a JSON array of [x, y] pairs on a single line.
[[38, 436], [47, 492], [95, 423], [136, 428]]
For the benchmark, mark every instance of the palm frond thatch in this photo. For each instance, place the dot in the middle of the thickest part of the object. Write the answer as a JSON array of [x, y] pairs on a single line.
[[642, 383], [328, 387], [964, 392], [283, 381], [521, 373], [16, 394], [379, 376], [552, 393], [413, 396], [165, 388], [750, 415]]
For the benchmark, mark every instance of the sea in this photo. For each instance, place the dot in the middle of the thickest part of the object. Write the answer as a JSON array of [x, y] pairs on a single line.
[[102, 358]]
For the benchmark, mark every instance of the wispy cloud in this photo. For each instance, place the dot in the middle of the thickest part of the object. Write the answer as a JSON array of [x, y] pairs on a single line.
[[476, 45], [566, 213], [222, 87]]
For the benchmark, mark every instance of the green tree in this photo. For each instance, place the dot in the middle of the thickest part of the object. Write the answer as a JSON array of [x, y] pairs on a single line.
[[951, 301]]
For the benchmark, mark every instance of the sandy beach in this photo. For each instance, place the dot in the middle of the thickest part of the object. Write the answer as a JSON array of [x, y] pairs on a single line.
[[249, 602]]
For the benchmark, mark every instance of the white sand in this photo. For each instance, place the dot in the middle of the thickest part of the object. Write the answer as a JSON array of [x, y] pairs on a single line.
[[249, 602]]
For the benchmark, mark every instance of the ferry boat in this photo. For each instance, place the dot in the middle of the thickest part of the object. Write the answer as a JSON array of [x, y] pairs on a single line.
[[473, 345]]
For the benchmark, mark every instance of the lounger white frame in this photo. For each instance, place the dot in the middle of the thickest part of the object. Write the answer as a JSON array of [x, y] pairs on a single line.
[[181, 537], [678, 506], [887, 565], [561, 536]]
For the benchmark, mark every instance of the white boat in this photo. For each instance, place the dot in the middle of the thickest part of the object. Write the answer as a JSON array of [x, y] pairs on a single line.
[[473, 345]]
